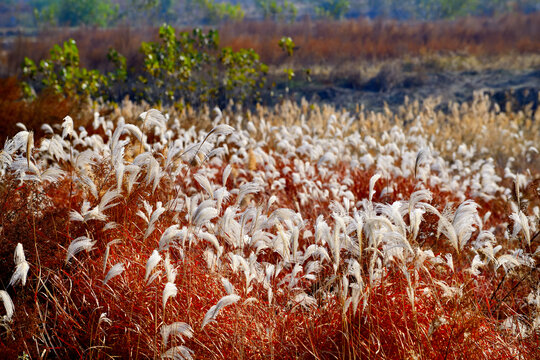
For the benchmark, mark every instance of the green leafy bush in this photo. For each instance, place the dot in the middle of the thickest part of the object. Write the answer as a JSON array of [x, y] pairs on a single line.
[[182, 68], [334, 9], [191, 68], [215, 12], [287, 44], [63, 74], [75, 12], [272, 9]]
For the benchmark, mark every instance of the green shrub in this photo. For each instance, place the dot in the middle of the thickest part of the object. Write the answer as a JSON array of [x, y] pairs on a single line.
[[215, 12], [184, 68], [191, 68], [334, 9], [272, 9], [63, 74], [75, 12]]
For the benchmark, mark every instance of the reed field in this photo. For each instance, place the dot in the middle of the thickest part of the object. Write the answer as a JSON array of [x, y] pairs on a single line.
[[298, 231]]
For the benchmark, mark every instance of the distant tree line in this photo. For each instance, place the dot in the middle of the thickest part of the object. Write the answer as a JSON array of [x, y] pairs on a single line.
[[189, 12], [444, 9]]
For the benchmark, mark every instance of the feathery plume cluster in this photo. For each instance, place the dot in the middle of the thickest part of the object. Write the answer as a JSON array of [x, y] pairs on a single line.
[[114, 271], [214, 310], [391, 238], [21, 267], [8, 305], [79, 244]]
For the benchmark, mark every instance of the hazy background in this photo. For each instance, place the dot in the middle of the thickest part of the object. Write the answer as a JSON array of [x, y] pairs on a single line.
[[36, 13]]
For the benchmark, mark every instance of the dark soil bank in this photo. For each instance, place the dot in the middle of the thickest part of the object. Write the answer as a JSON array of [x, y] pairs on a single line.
[[520, 88]]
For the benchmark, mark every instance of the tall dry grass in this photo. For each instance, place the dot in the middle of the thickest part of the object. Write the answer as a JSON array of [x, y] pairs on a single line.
[[327, 234], [46, 108]]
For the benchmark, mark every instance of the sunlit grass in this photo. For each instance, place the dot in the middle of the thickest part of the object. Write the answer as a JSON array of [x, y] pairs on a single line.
[[302, 232]]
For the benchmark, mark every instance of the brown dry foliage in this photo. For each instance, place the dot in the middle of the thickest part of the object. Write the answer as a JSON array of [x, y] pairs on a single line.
[[319, 42], [47, 108], [336, 42]]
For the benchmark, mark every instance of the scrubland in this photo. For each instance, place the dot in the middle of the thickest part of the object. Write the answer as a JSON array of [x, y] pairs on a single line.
[[294, 231], [328, 43]]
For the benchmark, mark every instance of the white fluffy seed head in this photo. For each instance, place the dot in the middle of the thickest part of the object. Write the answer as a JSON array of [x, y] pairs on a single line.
[[114, 271], [214, 310], [229, 288], [175, 329], [372, 182], [151, 263], [171, 233], [205, 215], [154, 118], [19, 254], [67, 127], [178, 353], [226, 174], [521, 222], [8, 305], [20, 274], [169, 291], [79, 244]]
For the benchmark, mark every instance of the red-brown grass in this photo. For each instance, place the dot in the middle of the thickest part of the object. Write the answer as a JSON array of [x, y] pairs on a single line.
[[337, 42], [66, 310], [47, 108], [66, 301]]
